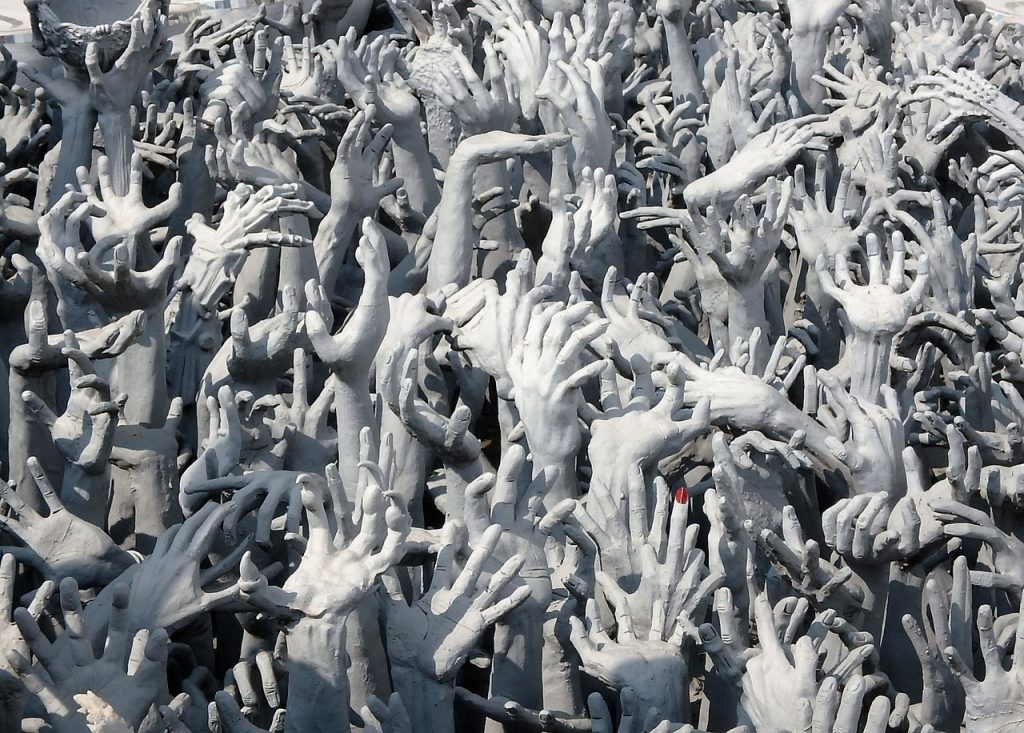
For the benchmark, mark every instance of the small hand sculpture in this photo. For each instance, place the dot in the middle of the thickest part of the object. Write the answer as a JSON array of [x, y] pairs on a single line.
[[219, 253], [116, 218], [129, 676], [352, 557], [85, 430], [875, 311], [175, 566], [61, 545], [434, 635]]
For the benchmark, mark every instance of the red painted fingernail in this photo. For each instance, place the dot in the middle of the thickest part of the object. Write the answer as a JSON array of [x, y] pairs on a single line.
[[682, 495]]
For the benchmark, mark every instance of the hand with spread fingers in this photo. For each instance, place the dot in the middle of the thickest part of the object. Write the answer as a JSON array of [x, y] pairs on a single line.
[[431, 639], [83, 433], [129, 676], [60, 544], [544, 365], [219, 253], [781, 678], [11, 636]]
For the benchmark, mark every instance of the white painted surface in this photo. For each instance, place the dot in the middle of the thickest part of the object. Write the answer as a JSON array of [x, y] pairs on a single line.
[[15, 27], [13, 20], [1013, 9]]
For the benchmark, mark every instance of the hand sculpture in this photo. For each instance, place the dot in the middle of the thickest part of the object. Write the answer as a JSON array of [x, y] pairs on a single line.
[[112, 90], [83, 434], [875, 311], [354, 197], [799, 561], [129, 676], [21, 127], [369, 553], [350, 353], [218, 254], [740, 398], [352, 559], [370, 78], [994, 701], [976, 524], [761, 158], [869, 529], [633, 332], [174, 565], [763, 703], [742, 250], [223, 448], [449, 437], [546, 371], [832, 711], [130, 218], [655, 622], [943, 694], [266, 489], [659, 432], [874, 432], [431, 639], [822, 227], [11, 710], [255, 82], [392, 363], [92, 560], [517, 509], [657, 664]]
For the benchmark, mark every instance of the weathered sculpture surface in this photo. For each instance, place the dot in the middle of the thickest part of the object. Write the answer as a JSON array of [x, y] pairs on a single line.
[[510, 365]]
